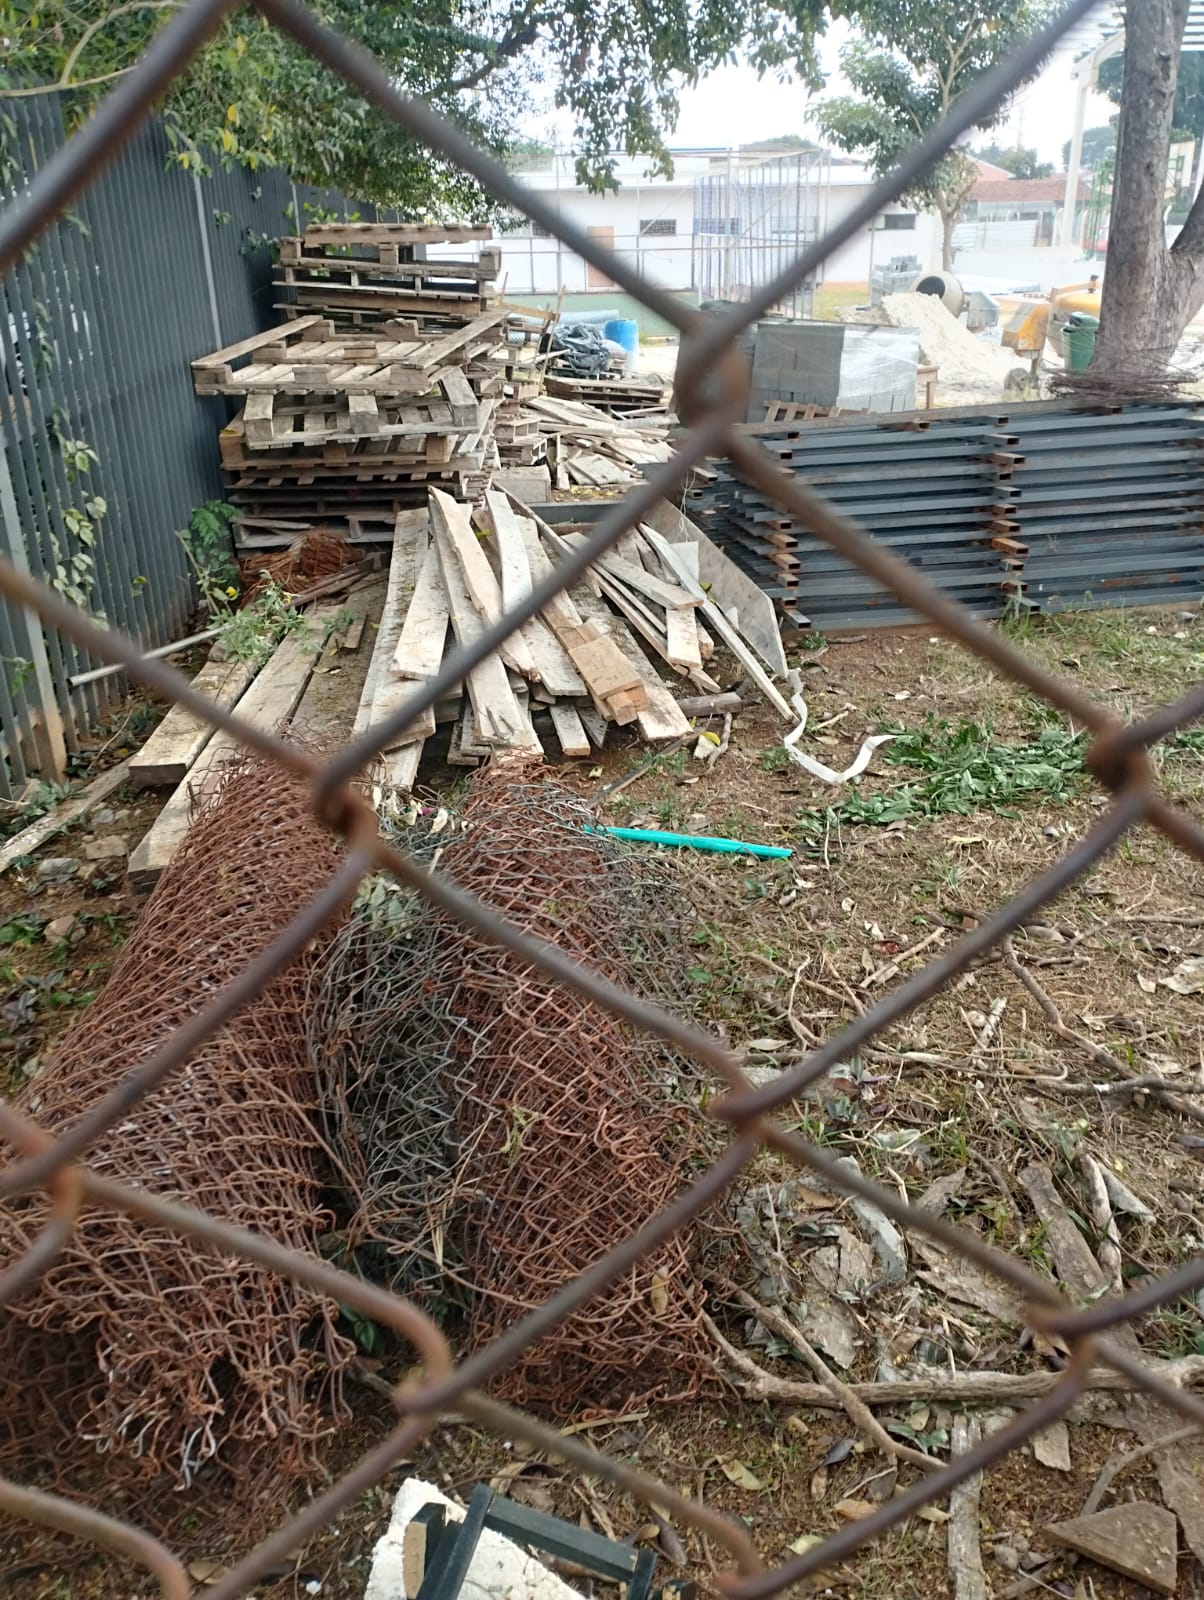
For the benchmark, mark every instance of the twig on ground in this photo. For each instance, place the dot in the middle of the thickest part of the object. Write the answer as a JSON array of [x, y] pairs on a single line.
[[987, 1387], [1096, 1052], [1124, 1459], [725, 738], [857, 1411]]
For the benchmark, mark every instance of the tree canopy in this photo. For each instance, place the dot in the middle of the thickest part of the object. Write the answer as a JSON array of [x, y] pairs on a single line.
[[1018, 159], [253, 96], [906, 65], [1098, 145]]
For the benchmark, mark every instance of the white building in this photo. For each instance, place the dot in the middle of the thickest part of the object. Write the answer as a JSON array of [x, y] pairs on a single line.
[[725, 223]]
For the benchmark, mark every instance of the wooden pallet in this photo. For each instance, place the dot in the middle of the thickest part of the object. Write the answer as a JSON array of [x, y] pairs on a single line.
[[377, 261], [279, 421], [367, 300], [608, 394], [405, 235]]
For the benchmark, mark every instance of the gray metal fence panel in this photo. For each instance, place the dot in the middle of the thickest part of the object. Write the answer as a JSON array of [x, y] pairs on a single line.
[[98, 325]]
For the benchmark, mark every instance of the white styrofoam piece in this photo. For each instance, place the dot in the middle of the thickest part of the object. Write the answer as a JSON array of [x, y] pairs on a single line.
[[499, 1569]]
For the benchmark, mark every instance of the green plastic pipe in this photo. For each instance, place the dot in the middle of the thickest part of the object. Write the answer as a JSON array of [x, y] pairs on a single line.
[[694, 841]]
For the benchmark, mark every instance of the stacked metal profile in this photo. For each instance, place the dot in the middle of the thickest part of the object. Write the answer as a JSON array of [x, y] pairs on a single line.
[[1047, 506]]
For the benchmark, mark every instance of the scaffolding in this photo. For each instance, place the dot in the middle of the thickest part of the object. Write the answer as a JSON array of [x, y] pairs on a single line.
[[750, 221]]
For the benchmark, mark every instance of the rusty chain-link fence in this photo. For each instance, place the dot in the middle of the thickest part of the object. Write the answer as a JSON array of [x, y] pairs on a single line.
[[710, 394]]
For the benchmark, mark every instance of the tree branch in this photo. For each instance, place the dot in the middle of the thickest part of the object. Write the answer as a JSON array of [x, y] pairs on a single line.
[[56, 88], [82, 43], [1191, 235], [518, 39]]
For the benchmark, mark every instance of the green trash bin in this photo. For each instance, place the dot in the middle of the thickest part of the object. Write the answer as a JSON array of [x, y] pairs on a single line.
[[1078, 340]]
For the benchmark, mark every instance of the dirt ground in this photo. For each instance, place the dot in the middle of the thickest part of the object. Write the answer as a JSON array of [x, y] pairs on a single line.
[[981, 791]]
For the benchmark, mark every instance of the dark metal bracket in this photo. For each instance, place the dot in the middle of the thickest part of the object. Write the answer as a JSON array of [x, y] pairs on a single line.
[[450, 1546]]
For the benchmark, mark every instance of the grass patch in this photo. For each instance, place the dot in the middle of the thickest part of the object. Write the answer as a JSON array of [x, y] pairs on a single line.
[[962, 768]]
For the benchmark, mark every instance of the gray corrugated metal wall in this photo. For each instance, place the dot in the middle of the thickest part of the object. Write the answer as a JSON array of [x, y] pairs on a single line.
[[98, 325]]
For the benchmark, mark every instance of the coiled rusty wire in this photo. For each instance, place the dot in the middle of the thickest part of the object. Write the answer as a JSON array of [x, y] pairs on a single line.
[[710, 386], [138, 1361], [499, 1131]]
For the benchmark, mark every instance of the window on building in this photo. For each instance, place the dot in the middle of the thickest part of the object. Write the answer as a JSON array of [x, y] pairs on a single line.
[[538, 231], [659, 227], [894, 221]]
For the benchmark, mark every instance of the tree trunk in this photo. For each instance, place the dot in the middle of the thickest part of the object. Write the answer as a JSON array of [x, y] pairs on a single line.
[[1150, 292], [948, 223]]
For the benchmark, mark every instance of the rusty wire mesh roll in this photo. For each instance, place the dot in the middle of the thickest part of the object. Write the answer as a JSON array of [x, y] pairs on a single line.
[[502, 1132], [139, 1346]]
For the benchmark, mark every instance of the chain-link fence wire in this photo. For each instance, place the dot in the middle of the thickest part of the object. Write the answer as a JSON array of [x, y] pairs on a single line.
[[498, 1132], [137, 1362], [710, 387]]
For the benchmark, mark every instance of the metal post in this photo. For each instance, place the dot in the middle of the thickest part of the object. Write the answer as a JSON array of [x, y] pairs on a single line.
[[48, 724], [207, 260]]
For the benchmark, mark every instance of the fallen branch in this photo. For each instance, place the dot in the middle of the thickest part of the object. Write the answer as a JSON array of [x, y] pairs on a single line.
[[1123, 1460], [857, 1411], [1096, 1052], [989, 1387]]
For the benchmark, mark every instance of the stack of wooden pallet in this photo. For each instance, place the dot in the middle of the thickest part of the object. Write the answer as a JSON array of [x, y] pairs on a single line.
[[364, 273], [351, 429], [571, 671]]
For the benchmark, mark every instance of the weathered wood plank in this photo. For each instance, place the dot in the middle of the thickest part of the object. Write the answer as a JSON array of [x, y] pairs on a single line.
[[495, 710], [419, 652], [452, 522], [569, 730], [268, 705], [179, 739]]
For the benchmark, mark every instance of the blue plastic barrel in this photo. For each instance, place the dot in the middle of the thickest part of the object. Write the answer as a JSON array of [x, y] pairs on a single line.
[[624, 331]]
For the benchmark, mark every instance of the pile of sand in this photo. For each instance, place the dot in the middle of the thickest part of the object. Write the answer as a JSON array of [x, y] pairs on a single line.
[[969, 366]]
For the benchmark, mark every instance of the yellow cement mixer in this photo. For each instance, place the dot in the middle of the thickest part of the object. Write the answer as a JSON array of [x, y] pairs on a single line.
[[1035, 323]]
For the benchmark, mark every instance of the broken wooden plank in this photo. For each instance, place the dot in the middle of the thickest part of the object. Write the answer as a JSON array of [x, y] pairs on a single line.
[[409, 544], [495, 710], [723, 628], [460, 397], [267, 705], [727, 587], [36, 834], [569, 730], [660, 717], [419, 652], [451, 521], [179, 739], [597, 658]]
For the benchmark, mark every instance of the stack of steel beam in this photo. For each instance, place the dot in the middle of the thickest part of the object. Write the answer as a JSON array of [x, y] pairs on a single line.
[[1033, 507]]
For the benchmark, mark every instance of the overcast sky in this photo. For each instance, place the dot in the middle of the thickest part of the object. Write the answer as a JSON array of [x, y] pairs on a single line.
[[733, 106]]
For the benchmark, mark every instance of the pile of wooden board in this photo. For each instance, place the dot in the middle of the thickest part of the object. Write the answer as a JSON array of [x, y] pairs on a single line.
[[587, 446], [364, 273], [609, 393], [565, 675]]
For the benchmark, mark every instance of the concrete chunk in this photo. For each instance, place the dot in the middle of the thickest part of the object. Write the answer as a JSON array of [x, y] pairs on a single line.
[[1140, 1541]]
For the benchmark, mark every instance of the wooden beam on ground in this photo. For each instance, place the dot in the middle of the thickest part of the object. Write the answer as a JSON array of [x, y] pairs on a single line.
[[179, 739], [36, 834], [267, 705]]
